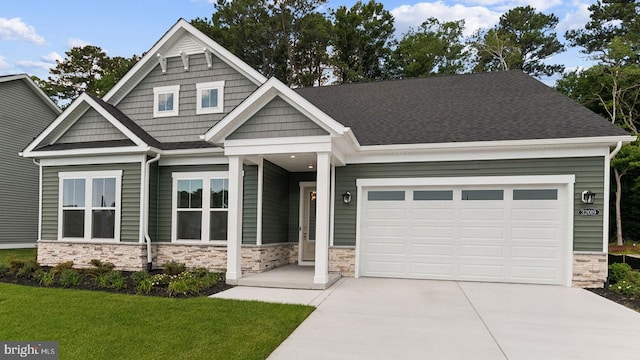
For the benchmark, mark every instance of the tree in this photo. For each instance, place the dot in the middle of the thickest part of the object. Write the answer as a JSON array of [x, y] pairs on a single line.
[[608, 19], [434, 48], [85, 69], [287, 39], [522, 39], [628, 158], [362, 35]]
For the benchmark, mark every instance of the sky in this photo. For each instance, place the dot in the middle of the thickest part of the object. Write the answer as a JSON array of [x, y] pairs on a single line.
[[36, 33]]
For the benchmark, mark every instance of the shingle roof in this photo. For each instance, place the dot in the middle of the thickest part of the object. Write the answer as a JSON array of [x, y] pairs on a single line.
[[508, 105]]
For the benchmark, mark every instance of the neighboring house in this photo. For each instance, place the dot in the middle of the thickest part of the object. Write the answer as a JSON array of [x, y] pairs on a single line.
[[24, 112], [470, 177]]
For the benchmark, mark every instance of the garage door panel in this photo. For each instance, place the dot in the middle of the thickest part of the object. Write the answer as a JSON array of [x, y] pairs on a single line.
[[506, 240], [481, 213]]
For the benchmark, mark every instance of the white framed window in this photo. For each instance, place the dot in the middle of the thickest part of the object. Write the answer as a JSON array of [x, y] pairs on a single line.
[[200, 206], [166, 101], [89, 205], [210, 97]]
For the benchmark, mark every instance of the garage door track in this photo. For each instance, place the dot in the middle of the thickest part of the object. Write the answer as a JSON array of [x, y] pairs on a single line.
[[371, 318]]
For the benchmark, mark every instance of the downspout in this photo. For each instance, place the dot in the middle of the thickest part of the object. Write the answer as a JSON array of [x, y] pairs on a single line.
[[35, 161], [615, 151], [147, 238]]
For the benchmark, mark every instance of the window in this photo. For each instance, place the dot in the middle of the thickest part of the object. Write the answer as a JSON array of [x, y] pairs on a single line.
[[90, 205], [482, 194], [433, 195], [210, 97], [535, 194], [201, 204], [166, 101], [385, 195]]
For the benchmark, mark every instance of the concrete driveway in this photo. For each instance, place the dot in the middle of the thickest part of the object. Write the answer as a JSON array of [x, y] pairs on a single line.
[[370, 318]]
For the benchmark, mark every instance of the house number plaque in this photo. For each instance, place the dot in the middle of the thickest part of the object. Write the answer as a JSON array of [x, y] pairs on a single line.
[[588, 212]]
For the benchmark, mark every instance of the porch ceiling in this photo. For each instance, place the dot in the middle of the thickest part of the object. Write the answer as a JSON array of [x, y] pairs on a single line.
[[294, 162]]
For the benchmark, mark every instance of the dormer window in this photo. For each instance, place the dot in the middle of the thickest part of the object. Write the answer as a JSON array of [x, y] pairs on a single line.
[[210, 97], [166, 101]]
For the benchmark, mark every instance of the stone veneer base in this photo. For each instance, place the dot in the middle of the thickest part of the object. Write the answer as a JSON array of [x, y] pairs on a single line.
[[589, 269]]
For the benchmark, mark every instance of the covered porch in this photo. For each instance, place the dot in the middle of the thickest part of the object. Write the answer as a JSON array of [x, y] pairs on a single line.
[[288, 277]]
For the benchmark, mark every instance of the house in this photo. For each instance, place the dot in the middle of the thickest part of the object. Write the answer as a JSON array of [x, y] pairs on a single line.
[[195, 157], [24, 112]]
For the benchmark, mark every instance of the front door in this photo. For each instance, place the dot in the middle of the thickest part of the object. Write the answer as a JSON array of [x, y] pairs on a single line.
[[307, 223]]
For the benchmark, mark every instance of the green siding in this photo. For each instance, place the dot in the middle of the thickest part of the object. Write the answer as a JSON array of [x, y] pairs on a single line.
[[130, 215], [250, 205], [589, 174], [165, 193], [294, 202], [275, 211]]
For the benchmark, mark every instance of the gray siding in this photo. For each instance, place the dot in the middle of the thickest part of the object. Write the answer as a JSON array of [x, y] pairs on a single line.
[[23, 115], [138, 104], [277, 119], [154, 185], [250, 205], [130, 215], [91, 127], [275, 211], [294, 202], [589, 176], [165, 193]]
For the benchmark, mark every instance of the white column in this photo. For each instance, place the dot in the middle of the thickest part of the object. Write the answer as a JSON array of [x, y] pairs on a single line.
[[323, 189], [234, 231]]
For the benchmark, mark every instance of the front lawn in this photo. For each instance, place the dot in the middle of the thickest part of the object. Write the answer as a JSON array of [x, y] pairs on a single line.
[[99, 325], [17, 254]]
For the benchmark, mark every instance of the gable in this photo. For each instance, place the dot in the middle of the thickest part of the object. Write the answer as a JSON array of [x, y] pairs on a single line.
[[187, 126], [91, 127], [277, 119]]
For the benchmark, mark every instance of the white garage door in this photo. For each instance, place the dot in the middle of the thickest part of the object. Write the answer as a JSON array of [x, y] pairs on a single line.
[[474, 233]]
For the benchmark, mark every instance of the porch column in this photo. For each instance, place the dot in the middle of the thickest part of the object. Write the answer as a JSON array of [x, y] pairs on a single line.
[[323, 191], [234, 231]]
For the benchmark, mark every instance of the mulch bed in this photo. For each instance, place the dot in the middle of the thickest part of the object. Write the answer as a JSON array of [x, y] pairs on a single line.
[[632, 302], [87, 283]]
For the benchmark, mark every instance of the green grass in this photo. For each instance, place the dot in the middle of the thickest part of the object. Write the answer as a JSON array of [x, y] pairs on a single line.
[[18, 254], [98, 325]]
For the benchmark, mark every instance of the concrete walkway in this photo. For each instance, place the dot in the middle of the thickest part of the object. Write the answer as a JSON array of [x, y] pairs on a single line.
[[370, 318]]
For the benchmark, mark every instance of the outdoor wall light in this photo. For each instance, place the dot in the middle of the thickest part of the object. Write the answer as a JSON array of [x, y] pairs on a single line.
[[346, 197], [588, 197]]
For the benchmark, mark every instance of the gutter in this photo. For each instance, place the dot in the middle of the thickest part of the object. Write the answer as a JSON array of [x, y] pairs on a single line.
[[615, 151], [147, 238]]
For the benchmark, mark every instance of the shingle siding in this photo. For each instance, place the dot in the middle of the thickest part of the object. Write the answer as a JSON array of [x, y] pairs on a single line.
[[23, 114], [91, 127], [588, 171], [138, 104], [277, 119], [130, 200]]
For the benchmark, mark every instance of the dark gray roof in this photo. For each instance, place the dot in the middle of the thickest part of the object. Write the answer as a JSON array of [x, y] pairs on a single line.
[[507, 105]]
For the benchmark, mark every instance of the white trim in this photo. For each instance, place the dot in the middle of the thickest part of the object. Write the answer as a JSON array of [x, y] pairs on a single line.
[[299, 144], [606, 204], [214, 85], [180, 29], [259, 200], [566, 181], [302, 185], [192, 160], [39, 201], [258, 99], [174, 90], [143, 188], [323, 191], [234, 230], [332, 204], [88, 152], [88, 177], [93, 160], [205, 209]]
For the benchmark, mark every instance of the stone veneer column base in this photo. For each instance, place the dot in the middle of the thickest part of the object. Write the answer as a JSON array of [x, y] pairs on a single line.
[[260, 258], [128, 257], [589, 269], [342, 260]]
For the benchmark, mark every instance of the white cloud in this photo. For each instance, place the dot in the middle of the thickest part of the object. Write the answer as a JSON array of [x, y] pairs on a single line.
[[75, 42], [575, 19], [4, 66], [475, 17], [504, 5], [16, 29], [45, 63]]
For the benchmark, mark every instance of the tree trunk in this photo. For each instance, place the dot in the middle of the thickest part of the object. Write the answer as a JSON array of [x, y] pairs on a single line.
[[618, 176]]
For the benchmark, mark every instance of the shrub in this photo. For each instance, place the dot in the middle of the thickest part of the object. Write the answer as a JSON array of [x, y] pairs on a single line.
[[100, 267], [112, 280], [46, 278], [58, 269], [69, 278], [161, 279], [23, 269], [625, 287], [173, 268], [139, 276], [144, 286], [4, 269], [618, 272]]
